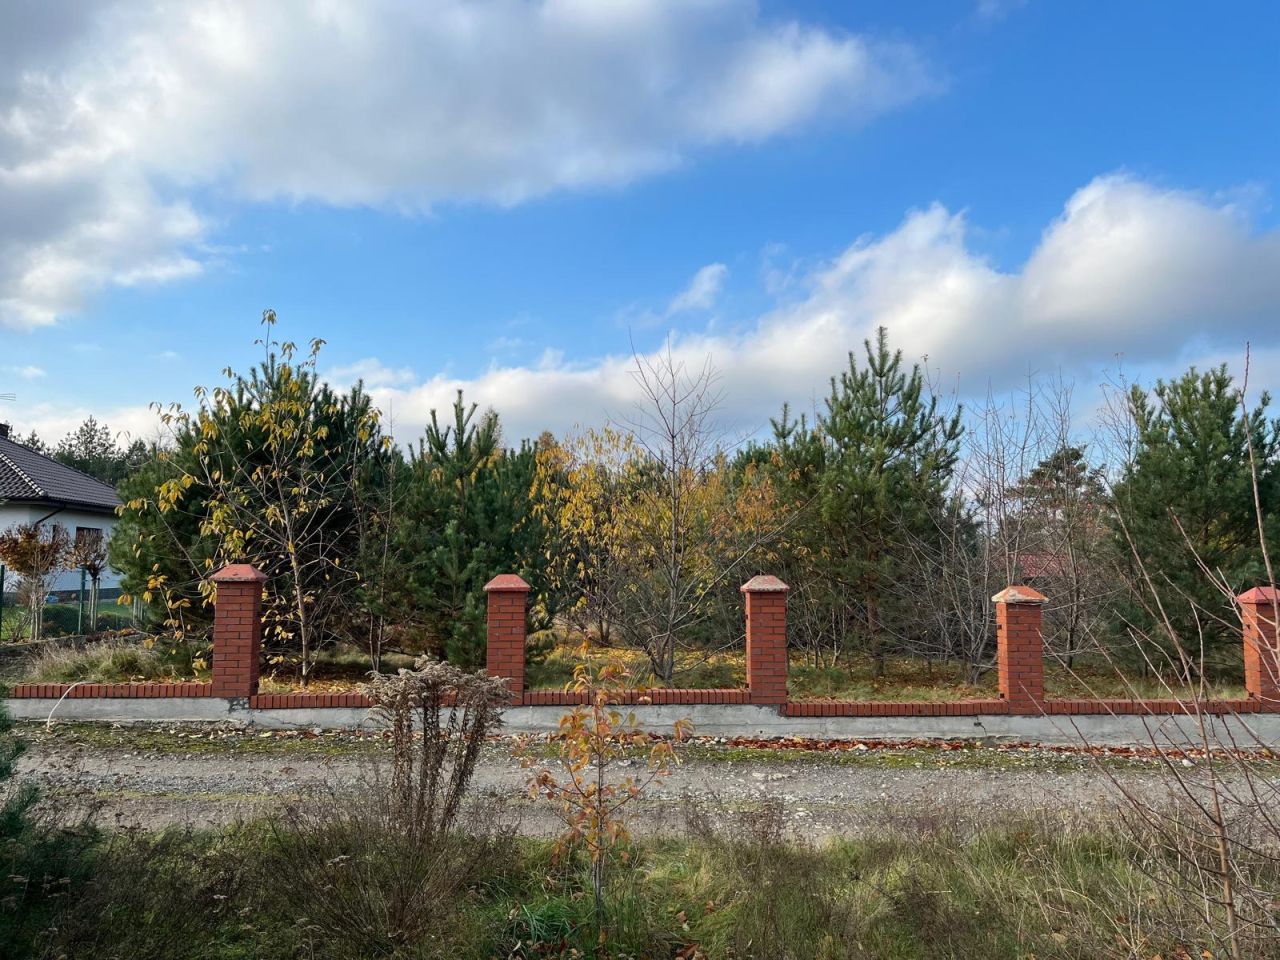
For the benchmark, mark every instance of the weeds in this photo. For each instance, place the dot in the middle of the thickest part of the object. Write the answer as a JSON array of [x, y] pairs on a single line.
[[736, 886], [385, 871], [120, 660]]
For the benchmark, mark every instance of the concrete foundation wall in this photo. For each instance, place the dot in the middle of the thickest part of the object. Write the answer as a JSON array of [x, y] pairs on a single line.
[[708, 720]]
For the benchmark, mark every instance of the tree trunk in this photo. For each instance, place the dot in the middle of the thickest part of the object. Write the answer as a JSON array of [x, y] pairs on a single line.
[[873, 629]]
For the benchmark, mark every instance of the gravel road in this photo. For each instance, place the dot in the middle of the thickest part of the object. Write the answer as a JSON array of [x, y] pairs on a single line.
[[134, 783]]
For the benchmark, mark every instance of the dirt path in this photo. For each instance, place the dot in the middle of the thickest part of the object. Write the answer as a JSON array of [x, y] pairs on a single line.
[[138, 781]]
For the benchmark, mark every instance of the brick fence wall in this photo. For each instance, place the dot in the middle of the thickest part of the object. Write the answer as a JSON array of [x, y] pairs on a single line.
[[237, 651]]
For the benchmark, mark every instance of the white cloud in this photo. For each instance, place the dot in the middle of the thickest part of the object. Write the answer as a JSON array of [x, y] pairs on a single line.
[[703, 290], [29, 372], [1160, 276], [112, 116], [1163, 277], [373, 372], [997, 9], [52, 421]]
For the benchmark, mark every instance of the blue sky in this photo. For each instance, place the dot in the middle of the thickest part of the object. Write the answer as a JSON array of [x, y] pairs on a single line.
[[506, 197]]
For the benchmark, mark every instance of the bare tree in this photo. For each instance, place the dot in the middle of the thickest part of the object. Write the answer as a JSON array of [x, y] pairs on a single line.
[[684, 543]]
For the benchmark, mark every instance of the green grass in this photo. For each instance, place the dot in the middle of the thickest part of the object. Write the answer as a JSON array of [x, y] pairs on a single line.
[[909, 679], [10, 623], [730, 888], [340, 668], [64, 619]]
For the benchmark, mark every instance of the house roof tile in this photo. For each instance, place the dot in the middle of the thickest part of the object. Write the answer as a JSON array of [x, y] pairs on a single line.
[[30, 477]]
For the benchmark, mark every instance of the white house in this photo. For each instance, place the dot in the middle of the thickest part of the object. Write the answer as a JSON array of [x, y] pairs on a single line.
[[35, 488]]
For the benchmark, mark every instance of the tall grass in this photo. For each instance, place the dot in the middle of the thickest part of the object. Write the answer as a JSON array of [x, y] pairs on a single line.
[[736, 886], [119, 660]]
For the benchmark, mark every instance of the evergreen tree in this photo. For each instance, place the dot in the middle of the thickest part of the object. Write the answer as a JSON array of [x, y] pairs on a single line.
[[267, 470], [33, 441], [1186, 503], [1058, 483], [162, 555], [889, 460], [464, 516], [1060, 511], [91, 449]]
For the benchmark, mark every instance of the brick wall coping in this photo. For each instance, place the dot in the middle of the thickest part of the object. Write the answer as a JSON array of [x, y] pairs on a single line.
[[764, 583], [1261, 596], [239, 573], [506, 583], [690, 697], [1019, 595]]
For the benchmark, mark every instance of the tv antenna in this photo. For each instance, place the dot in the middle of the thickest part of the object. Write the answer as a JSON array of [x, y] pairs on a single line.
[[8, 396]]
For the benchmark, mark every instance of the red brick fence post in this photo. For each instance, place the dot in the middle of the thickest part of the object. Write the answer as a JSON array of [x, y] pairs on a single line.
[[1258, 611], [237, 631], [508, 597], [1020, 648], [766, 639]]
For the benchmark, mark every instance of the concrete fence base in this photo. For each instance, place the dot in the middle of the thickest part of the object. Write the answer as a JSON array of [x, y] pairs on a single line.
[[715, 720]]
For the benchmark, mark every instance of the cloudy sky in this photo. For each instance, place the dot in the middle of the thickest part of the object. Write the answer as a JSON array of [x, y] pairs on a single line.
[[510, 197]]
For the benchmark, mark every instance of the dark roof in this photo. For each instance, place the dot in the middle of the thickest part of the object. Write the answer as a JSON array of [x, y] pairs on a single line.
[[30, 477]]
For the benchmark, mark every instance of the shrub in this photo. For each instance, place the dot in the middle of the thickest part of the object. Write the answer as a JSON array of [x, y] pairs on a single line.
[[40, 865], [383, 871]]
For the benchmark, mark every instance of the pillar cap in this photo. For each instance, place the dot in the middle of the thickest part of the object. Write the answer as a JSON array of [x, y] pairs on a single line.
[[764, 583], [1261, 596], [506, 583], [239, 573], [1019, 595]]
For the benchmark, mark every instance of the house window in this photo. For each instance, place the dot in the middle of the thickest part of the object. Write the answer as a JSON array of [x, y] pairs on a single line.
[[85, 534]]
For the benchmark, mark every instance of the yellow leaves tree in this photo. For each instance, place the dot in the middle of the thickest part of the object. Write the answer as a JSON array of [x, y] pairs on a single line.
[[653, 524], [589, 798], [580, 491], [268, 469]]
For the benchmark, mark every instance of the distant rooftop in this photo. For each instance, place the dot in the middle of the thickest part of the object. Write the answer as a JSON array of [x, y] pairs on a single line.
[[30, 477]]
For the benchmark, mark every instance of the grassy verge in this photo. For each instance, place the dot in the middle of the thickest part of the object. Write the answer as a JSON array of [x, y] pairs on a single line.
[[121, 660], [344, 668], [730, 888]]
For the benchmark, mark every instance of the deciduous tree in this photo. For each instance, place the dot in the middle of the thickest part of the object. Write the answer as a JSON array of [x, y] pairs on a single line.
[[36, 552]]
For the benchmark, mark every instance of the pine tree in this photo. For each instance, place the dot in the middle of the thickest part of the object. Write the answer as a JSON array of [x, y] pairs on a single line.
[[91, 449], [889, 461], [1186, 504], [267, 470], [33, 441], [1060, 510], [465, 515]]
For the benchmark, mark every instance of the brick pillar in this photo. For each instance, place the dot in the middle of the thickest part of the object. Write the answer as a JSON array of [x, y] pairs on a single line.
[[1258, 610], [1020, 648], [766, 639], [237, 630], [508, 597]]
